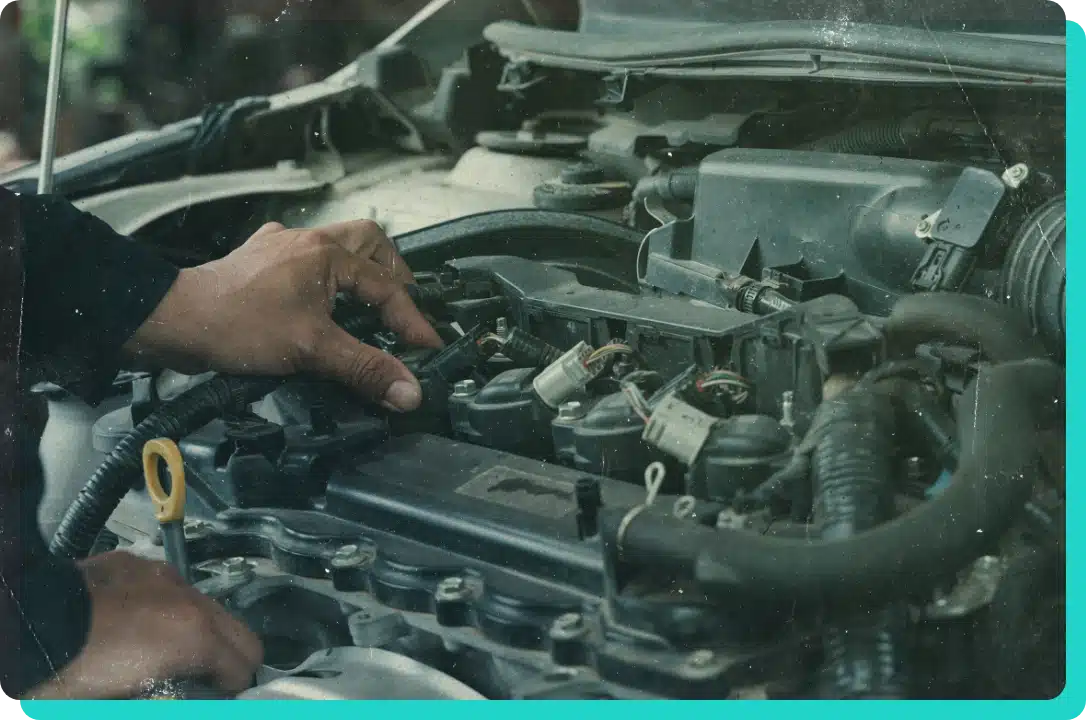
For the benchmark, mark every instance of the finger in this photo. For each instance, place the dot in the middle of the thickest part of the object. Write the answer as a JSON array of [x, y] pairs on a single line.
[[357, 236], [372, 284], [228, 668], [240, 637], [372, 373], [234, 651], [268, 229]]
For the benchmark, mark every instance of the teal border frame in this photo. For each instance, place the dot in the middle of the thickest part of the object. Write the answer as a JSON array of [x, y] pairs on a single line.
[[1069, 704]]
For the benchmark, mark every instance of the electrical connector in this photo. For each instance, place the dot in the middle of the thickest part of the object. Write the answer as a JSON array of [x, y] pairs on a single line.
[[565, 376], [678, 429]]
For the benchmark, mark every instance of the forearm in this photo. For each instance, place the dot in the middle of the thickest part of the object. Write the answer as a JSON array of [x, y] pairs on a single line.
[[87, 291]]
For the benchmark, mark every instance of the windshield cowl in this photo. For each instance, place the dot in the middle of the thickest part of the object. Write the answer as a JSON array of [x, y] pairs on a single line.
[[651, 17]]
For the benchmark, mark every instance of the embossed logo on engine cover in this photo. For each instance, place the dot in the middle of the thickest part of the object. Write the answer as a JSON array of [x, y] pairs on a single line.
[[522, 490]]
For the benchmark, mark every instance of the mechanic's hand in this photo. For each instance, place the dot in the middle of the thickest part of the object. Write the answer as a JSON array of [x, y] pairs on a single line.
[[147, 627], [266, 309]]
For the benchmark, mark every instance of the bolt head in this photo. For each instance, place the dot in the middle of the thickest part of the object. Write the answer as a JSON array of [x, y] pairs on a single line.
[[570, 410], [924, 226], [1015, 175], [348, 556], [451, 588], [464, 387], [568, 622], [988, 563], [701, 658], [236, 566], [196, 528]]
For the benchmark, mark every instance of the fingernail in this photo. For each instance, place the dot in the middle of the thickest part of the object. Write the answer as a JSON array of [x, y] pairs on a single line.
[[402, 396]]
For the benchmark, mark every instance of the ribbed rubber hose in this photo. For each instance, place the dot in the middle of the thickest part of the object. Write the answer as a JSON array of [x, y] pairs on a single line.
[[121, 470], [1035, 273], [899, 136], [528, 350], [854, 475]]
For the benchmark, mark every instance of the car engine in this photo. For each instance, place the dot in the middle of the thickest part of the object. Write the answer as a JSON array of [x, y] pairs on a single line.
[[745, 397]]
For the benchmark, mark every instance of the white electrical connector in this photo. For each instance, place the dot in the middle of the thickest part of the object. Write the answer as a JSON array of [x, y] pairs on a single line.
[[565, 376], [678, 429]]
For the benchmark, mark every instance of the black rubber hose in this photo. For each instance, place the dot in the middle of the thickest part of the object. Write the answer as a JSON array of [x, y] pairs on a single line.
[[998, 423], [1035, 273], [899, 136], [675, 185], [119, 472], [999, 331], [854, 478], [527, 350]]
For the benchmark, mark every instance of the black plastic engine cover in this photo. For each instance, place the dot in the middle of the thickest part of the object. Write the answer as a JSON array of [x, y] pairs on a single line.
[[464, 503], [480, 503]]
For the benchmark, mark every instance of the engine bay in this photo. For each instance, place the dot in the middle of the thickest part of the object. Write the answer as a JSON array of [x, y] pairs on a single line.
[[568, 513], [755, 394]]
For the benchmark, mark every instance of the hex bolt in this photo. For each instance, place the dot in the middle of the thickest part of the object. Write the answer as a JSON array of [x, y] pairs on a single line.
[[197, 528], [788, 409], [728, 519], [914, 468], [464, 388], [235, 566], [346, 551], [451, 588], [924, 227], [570, 622], [1014, 176], [701, 659], [348, 556], [570, 410]]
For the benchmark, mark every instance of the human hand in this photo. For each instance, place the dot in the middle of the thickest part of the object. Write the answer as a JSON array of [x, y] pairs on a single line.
[[265, 309], [148, 626]]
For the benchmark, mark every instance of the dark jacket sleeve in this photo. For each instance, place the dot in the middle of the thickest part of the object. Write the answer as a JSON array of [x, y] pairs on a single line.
[[72, 292], [87, 291]]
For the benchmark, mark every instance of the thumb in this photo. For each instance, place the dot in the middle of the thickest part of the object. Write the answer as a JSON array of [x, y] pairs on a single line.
[[372, 373]]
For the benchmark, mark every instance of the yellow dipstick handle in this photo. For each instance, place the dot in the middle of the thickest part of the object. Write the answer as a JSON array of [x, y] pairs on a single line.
[[169, 507]]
